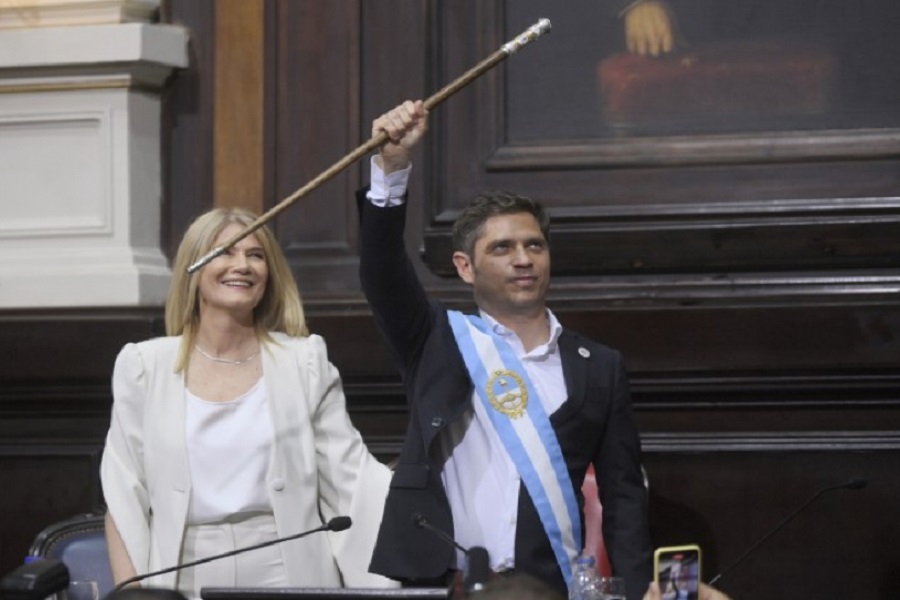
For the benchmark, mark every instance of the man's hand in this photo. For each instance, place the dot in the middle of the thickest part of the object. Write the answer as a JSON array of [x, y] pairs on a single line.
[[405, 126], [648, 29], [706, 593]]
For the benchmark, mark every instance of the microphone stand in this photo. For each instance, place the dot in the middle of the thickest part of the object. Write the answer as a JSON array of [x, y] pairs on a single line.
[[477, 570], [335, 524]]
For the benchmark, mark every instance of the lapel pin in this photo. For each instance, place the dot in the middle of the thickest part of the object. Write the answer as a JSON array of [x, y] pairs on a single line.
[[584, 352]]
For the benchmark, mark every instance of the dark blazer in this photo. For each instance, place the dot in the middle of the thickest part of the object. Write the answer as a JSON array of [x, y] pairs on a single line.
[[594, 425]]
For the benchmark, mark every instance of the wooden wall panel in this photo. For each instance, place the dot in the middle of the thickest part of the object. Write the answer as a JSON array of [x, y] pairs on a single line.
[[836, 548], [54, 413], [188, 120], [316, 117], [45, 485], [239, 120], [338, 65]]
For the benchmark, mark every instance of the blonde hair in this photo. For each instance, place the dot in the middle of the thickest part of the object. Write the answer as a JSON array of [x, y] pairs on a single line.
[[280, 308]]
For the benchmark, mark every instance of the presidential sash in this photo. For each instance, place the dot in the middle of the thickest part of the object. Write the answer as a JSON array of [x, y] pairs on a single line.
[[516, 412]]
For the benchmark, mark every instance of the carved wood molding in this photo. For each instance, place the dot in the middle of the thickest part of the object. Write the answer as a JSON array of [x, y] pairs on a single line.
[[699, 150], [718, 442], [794, 441], [52, 449]]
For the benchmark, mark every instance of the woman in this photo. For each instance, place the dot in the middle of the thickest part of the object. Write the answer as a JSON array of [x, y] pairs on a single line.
[[233, 431]]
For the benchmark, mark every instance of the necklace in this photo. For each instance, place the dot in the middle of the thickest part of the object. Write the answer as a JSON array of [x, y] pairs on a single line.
[[225, 360]]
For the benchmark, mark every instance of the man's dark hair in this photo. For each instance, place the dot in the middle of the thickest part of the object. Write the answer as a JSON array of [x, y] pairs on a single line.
[[469, 224]]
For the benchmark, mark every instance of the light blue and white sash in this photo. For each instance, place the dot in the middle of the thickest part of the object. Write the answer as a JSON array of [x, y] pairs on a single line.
[[517, 414]]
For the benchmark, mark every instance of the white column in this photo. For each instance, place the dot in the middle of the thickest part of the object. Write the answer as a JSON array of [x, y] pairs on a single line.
[[80, 183], [55, 13]]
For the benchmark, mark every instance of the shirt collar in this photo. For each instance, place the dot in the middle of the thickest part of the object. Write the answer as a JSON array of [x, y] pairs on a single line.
[[548, 347]]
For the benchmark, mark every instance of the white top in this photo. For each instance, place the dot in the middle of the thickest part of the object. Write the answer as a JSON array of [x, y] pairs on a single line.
[[319, 468], [229, 447], [480, 479]]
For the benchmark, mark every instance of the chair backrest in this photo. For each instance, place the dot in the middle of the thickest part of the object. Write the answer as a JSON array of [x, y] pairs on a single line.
[[80, 543], [593, 523]]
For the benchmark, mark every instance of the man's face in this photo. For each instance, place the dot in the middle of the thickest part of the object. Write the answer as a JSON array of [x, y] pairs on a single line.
[[510, 269]]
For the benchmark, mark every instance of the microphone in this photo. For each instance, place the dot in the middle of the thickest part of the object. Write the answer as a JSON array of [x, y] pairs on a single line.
[[853, 484], [477, 570], [335, 524]]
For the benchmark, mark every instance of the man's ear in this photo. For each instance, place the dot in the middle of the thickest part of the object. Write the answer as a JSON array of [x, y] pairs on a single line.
[[463, 266]]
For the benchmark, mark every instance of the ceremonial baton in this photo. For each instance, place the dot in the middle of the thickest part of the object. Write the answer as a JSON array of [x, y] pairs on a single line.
[[509, 48]]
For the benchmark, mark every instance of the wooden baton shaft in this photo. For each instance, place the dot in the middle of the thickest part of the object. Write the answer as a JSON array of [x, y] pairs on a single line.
[[529, 35]]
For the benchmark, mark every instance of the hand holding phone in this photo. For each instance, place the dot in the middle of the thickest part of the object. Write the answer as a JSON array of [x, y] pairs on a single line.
[[677, 571]]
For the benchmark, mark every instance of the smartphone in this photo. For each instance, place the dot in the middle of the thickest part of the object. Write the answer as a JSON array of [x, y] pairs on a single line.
[[677, 571]]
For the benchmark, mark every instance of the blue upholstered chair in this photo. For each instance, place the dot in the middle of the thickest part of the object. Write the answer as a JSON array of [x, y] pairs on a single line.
[[80, 543]]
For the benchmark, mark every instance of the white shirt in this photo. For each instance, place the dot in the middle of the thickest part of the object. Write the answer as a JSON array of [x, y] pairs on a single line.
[[480, 479], [229, 446]]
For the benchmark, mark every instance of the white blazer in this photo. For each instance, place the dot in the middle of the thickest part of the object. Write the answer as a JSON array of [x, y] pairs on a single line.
[[320, 467]]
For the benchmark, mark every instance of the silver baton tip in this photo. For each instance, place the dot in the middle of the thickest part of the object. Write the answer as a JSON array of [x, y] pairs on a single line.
[[194, 267], [214, 253], [529, 35]]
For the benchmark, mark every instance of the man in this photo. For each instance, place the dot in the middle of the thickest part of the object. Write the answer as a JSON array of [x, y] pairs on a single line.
[[507, 409]]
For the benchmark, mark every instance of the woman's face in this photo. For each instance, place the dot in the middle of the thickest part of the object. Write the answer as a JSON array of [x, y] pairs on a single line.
[[235, 281]]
